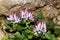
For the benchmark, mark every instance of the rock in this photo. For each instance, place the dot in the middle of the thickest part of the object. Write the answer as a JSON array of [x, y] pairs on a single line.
[[59, 10], [1, 34], [58, 17], [49, 1], [15, 8], [11, 3], [58, 6], [3, 9], [39, 3], [29, 6], [58, 37], [57, 26], [49, 11], [57, 20]]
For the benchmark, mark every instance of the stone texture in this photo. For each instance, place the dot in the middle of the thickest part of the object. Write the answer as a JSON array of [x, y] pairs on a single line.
[[58, 17], [3, 9], [57, 20], [49, 11], [10, 3], [49, 1]]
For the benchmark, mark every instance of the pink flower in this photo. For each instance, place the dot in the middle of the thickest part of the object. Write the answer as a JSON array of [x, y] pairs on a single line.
[[40, 27], [16, 18], [10, 17], [25, 14], [13, 17]]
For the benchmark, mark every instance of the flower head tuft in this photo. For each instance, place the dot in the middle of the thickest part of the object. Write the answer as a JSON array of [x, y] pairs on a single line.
[[24, 14], [39, 27]]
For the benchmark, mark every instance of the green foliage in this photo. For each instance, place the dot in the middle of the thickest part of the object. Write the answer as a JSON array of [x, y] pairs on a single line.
[[5, 37], [24, 31], [30, 36], [57, 31], [18, 36], [39, 15], [49, 36], [8, 24], [53, 37], [50, 24]]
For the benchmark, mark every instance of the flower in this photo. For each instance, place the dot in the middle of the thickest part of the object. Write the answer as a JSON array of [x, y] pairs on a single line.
[[40, 27], [25, 14], [10, 17], [13, 17]]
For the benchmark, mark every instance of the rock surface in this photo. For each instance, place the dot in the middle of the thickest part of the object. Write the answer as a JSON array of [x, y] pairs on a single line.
[[10, 3], [3, 9], [57, 20], [49, 11]]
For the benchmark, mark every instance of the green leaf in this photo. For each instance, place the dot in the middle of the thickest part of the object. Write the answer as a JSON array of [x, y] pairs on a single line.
[[39, 15], [14, 27], [17, 36], [53, 37], [19, 28], [23, 21], [50, 24], [30, 36], [8, 24], [11, 36], [57, 31], [25, 39], [27, 31], [48, 35]]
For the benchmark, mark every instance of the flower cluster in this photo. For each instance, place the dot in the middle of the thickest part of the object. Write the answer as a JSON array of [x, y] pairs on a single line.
[[25, 14], [40, 27]]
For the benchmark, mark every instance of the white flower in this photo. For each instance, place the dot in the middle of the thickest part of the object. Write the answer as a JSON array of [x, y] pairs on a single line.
[[16, 18], [40, 27], [10, 17], [26, 15], [23, 14], [13, 17], [30, 16]]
